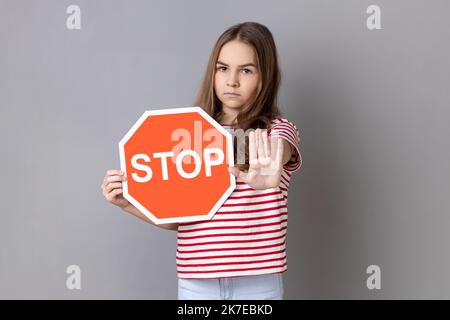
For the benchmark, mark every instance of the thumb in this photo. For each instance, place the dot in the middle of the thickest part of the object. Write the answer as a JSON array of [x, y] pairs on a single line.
[[234, 171]]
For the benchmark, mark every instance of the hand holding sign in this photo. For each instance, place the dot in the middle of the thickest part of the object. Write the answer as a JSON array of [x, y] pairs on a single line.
[[112, 188]]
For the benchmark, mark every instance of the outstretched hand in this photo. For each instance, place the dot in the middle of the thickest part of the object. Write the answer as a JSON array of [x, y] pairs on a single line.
[[265, 161]]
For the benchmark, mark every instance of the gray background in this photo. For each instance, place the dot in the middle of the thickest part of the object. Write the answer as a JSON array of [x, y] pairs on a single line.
[[372, 108]]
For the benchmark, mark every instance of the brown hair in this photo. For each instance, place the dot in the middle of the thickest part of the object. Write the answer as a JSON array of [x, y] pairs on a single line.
[[263, 109]]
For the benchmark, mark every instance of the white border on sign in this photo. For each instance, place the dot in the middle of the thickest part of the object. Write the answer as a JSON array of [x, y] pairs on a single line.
[[123, 166]]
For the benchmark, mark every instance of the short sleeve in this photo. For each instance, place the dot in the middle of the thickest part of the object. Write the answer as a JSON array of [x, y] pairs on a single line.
[[287, 130]]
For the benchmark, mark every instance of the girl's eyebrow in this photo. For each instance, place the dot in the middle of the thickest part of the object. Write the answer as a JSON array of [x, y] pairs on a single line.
[[241, 66]]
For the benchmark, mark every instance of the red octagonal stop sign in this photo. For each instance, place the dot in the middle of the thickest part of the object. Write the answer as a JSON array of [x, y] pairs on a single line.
[[176, 162]]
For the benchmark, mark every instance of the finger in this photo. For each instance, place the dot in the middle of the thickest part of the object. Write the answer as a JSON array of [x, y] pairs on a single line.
[[112, 186], [113, 179], [117, 191], [259, 144], [113, 194], [237, 173], [280, 150], [252, 148], [273, 148], [266, 144], [234, 171], [114, 172]]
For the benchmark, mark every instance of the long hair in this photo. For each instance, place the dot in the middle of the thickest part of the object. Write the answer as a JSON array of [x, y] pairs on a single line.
[[263, 108]]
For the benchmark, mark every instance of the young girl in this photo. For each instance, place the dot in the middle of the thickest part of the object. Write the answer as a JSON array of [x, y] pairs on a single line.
[[241, 252]]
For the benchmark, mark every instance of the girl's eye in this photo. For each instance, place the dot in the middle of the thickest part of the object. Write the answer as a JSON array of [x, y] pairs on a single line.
[[246, 71]]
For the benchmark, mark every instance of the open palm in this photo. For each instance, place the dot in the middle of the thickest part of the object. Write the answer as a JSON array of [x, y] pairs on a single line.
[[265, 161]]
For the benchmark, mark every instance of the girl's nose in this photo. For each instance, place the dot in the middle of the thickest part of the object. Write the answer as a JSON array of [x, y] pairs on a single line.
[[233, 84], [232, 81]]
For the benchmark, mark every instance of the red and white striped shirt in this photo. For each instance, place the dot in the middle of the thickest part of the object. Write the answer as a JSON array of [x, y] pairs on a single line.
[[247, 235]]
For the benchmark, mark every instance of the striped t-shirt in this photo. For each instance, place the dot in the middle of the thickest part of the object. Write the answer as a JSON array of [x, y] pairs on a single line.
[[247, 235]]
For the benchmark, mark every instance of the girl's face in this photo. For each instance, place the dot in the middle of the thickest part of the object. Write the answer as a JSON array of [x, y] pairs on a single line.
[[236, 79]]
